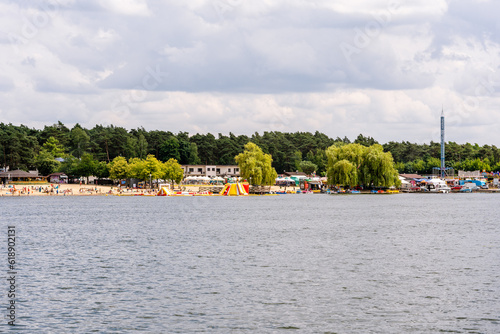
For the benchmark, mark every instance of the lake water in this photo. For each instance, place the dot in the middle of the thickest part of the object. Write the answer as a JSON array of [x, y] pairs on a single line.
[[407, 263]]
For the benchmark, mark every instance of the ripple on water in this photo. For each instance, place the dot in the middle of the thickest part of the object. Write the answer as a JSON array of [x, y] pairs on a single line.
[[308, 264]]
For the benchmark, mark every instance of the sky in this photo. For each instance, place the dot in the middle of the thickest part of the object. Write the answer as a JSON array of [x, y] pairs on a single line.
[[384, 69]]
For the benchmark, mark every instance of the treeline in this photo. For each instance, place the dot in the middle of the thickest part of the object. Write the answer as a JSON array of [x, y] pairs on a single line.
[[422, 158], [28, 148]]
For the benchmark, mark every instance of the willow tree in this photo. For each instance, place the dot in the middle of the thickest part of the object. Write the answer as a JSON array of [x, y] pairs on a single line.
[[255, 165], [344, 162], [352, 164], [377, 168], [343, 172]]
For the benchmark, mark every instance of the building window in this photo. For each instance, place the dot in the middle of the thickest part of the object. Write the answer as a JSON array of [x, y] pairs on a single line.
[[213, 169], [200, 170], [218, 170], [191, 170], [236, 170], [229, 170]]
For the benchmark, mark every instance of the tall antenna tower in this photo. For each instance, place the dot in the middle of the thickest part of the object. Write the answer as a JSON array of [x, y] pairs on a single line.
[[443, 168], [442, 171]]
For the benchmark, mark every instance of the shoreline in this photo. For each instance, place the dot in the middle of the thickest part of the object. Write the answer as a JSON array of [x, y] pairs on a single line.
[[30, 190]]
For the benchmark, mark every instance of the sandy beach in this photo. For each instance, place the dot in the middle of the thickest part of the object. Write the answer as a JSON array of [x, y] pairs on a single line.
[[66, 190], [89, 190]]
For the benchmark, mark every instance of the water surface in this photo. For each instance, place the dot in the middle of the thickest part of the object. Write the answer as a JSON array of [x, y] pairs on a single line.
[[408, 263]]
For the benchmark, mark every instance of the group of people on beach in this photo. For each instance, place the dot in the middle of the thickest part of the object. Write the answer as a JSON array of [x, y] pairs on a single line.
[[31, 190]]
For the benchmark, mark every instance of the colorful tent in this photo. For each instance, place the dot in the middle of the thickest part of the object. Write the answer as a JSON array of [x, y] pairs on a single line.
[[164, 191], [234, 189]]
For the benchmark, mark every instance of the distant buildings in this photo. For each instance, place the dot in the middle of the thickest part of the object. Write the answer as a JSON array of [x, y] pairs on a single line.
[[473, 174], [57, 178], [211, 170], [20, 176], [290, 174]]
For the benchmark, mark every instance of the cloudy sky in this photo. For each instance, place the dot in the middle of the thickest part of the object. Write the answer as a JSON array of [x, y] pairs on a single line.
[[381, 68]]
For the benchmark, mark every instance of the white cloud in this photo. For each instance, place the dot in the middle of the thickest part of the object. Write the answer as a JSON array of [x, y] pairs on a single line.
[[127, 7], [255, 66]]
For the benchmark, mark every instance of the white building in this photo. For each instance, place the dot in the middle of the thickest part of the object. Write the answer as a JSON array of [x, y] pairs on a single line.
[[473, 175], [211, 170]]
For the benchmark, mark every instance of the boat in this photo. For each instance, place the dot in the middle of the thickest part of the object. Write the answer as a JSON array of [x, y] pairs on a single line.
[[437, 185]]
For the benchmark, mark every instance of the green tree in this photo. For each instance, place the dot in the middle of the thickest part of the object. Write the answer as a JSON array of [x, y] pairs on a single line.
[[343, 172], [432, 163], [18, 146], [142, 146], [152, 168], [400, 166], [344, 161], [170, 149], [118, 168], [496, 168], [377, 168], [320, 160], [227, 149], [46, 163], [86, 166], [101, 170], [297, 159], [194, 159], [419, 165], [172, 171], [59, 131], [308, 167], [207, 147], [148, 169], [134, 168], [256, 166], [353, 163], [351, 152], [184, 149], [130, 147], [53, 147], [365, 141], [474, 164], [69, 166], [155, 139], [117, 139], [80, 140]]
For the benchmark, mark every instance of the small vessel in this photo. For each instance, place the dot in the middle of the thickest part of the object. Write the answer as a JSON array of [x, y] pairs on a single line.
[[438, 185]]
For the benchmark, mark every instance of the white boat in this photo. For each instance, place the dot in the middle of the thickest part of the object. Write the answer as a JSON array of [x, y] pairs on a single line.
[[438, 185]]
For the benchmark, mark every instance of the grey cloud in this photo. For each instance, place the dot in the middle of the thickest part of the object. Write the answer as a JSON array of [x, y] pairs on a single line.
[[467, 19], [52, 85], [93, 54], [245, 53], [29, 61]]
